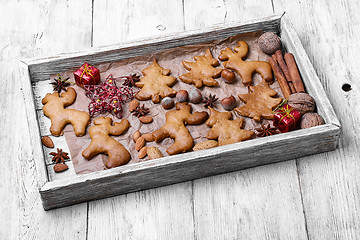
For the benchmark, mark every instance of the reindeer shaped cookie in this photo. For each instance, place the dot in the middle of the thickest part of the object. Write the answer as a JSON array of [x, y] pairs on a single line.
[[54, 108], [224, 129], [101, 142], [175, 128], [245, 68]]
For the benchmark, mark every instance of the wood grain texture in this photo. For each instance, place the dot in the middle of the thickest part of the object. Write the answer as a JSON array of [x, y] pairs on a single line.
[[330, 182], [32, 29], [162, 213], [258, 203]]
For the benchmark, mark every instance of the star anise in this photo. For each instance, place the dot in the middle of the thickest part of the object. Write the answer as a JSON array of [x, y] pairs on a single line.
[[141, 111], [130, 80], [60, 84], [59, 156], [265, 131], [210, 101]]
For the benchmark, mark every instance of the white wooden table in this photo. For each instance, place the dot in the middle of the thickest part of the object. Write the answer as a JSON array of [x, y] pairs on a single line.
[[316, 197]]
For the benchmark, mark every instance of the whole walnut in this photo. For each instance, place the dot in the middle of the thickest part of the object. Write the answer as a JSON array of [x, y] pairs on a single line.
[[302, 102], [311, 120], [269, 43]]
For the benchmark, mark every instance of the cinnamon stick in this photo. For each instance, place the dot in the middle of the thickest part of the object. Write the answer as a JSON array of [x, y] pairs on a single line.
[[292, 88], [280, 78], [294, 72], [284, 69]]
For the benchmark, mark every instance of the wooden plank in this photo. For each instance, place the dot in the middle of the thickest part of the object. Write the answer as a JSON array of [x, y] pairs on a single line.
[[204, 14], [255, 203], [31, 29], [330, 182], [188, 166], [161, 213]]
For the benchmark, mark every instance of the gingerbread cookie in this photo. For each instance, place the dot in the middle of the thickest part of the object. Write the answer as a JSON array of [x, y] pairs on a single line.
[[234, 60], [54, 108], [175, 128], [155, 84], [225, 130], [202, 71], [101, 142], [259, 102]]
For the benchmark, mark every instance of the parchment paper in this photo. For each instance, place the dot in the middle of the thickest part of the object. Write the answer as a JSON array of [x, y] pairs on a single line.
[[170, 59]]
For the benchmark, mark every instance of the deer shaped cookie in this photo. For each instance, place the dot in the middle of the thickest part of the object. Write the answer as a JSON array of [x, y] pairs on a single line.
[[54, 108], [234, 60], [224, 129], [174, 127], [101, 142]]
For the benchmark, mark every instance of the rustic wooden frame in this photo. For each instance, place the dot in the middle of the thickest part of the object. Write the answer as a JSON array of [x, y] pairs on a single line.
[[187, 166]]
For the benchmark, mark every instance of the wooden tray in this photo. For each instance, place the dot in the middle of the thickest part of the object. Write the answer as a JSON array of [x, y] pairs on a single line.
[[59, 190]]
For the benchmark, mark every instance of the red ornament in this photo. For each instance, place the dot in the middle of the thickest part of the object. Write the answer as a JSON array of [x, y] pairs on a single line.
[[287, 118], [107, 97], [87, 75]]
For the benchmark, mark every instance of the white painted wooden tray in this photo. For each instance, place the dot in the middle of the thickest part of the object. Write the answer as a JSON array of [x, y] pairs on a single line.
[[59, 190]]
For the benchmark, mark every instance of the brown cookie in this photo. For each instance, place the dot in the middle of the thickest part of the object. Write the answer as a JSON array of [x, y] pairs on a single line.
[[202, 71], [225, 130], [259, 102], [101, 142], [155, 84], [234, 60], [54, 108], [175, 128]]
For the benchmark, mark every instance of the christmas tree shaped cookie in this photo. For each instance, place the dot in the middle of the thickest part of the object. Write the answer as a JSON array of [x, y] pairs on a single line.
[[202, 71], [234, 60], [259, 102], [155, 84], [225, 130]]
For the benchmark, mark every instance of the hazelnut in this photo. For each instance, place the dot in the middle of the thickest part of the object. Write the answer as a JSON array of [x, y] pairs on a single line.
[[195, 96], [167, 103], [311, 120], [229, 103], [302, 102], [269, 43], [228, 76], [182, 96]]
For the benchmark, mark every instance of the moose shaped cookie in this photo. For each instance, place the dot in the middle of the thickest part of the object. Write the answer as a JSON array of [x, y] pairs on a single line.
[[155, 84], [54, 108], [225, 130], [101, 142], [203, 71], [175, 127], [234, 60]]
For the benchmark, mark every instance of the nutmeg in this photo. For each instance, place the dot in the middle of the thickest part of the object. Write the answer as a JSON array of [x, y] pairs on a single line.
[[311, 120], [269, 43], [195, 96], [167, 103], [182, 96], [229, 103], [228, 76], [302, 102]]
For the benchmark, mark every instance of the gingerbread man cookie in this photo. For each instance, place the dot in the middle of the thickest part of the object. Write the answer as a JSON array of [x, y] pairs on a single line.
[[54, 108], [234, 60], [202, 71], [101, 142], [225, 130], [176, 120], [259, 102], [155, 84]]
